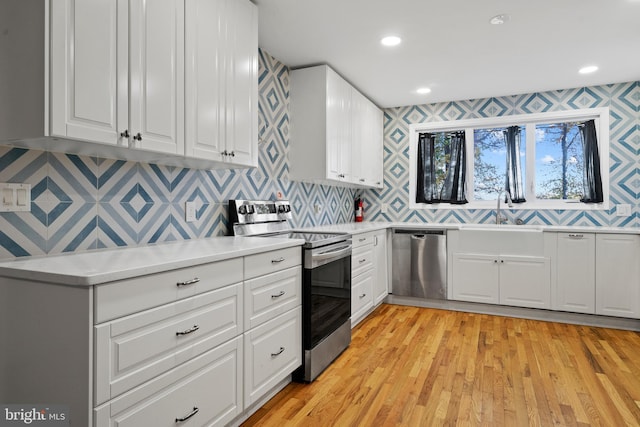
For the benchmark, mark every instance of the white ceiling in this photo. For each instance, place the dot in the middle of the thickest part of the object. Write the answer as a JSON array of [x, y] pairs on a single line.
[[449, 45]]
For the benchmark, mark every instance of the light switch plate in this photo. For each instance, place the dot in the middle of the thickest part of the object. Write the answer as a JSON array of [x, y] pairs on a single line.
[[15, 197], [623, 210], [190, 212]]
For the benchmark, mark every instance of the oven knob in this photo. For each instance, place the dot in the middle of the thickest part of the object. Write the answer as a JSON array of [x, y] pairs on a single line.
[[287, 208], [251, 209], [281, 209], [242, 210]]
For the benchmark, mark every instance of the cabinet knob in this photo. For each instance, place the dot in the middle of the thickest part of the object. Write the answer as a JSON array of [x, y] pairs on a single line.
[[125, 134], [137, 137], [232, 154], [340, 175], [225, 153]]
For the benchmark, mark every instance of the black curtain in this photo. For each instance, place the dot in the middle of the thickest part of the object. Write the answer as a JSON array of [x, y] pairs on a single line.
[[453, 186], [592, 181], [513, 180]]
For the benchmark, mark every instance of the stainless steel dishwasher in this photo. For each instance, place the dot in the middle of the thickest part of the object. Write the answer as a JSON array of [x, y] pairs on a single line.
[[419, 263]]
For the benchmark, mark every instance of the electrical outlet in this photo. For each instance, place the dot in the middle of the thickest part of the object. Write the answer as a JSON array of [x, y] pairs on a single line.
[[15, 197], [384, 208], [190, 212], [317, 208], [623, 210]]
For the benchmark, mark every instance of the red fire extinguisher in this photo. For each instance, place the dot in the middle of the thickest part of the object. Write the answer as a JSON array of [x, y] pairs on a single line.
[[359, 210]]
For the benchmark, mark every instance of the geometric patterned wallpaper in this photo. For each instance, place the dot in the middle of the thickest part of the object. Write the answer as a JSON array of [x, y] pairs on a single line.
[[623, 101], [82, 203]]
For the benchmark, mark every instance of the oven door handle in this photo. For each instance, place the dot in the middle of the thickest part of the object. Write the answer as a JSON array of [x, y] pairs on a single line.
[[331, 254]]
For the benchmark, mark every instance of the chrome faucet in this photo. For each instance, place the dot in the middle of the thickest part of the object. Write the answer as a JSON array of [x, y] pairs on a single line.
[[499, 218]]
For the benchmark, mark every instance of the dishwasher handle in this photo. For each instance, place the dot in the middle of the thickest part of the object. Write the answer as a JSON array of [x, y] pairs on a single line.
[[417, 232]]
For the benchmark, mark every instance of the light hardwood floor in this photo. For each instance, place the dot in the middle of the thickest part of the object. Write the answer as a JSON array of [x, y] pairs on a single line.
[[410, 366]]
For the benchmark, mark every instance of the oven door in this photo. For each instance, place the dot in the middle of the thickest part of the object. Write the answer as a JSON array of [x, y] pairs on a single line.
[[326, 300]]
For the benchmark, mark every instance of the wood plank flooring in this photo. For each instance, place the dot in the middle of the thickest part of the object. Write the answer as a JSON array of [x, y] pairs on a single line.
[[410, 366]]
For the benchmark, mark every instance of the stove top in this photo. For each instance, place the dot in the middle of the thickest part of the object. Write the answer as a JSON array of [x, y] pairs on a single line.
[[271, 219]]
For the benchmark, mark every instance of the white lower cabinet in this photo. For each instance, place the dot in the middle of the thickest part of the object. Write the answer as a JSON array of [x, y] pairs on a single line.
[[475, 278], [576, 273], [361, 295], [500, 267], [525, 281], [381, 271], [618, 275], [272, 351], [204, 391], [192, 346], [362, 276]]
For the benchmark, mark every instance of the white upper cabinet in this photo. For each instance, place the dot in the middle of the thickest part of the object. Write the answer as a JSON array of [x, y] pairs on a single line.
[[338, 127], [156, 75], [332, 130], [86, 71], [222, 81], [173, 77]]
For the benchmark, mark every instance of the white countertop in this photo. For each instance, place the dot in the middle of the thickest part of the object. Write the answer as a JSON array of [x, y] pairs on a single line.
[[363, 227], [96, 267]]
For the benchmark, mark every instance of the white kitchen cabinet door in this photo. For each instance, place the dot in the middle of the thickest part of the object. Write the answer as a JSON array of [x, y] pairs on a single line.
[[89, 70], [618, 275], [206, 52], [242, 83], [475, 278], [361, 296], [222, 81], [359, 136], [525, 281], [575, 273], [380, 269], [374, 149], [338, 127], [156, 62]]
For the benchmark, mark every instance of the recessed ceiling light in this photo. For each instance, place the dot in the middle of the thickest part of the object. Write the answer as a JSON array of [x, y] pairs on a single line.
[[391, 41], [423, 90], [588, 69], [499, 19]]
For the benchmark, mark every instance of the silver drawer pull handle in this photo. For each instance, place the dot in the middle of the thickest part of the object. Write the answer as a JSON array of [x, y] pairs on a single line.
[[278, 353], [189, 415], [188, 331], [275, 261], [278, 295], [363, 295], [576, 236], [188, 282], [362, 260], [362, 239]]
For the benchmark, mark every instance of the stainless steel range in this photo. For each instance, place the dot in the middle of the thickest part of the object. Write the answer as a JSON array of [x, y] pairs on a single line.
[[326, 281]]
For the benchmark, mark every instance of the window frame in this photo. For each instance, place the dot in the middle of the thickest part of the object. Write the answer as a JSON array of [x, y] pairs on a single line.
[[600, 115]]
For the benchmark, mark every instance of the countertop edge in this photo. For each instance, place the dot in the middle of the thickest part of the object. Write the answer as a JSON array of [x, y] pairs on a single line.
[[41, 269]]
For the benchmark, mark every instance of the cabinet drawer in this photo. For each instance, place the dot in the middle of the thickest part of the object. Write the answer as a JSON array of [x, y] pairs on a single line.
[[207, 386], [361, 260], [272, 351], [135, 349], [269, 296], [361, 294], [130, 296], [270, 262], [362, 239]]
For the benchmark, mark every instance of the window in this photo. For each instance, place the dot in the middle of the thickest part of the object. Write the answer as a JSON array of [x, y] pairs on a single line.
[[542, 159]]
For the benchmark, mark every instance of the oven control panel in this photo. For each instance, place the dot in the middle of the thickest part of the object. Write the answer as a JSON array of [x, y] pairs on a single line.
[[258, 211]]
